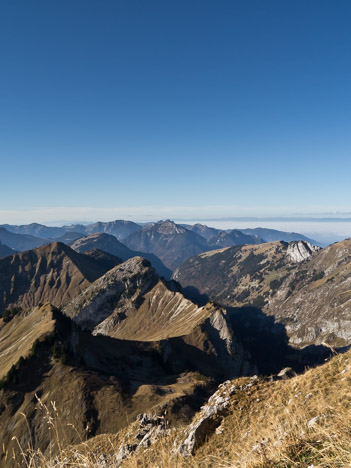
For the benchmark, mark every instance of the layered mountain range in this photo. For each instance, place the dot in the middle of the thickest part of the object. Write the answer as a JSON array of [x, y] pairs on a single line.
[[125, 339], [19, 241], [110, 244], [172, 243], [96, 325]]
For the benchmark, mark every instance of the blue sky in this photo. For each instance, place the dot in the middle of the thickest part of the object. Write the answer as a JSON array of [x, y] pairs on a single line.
[[151, 109]]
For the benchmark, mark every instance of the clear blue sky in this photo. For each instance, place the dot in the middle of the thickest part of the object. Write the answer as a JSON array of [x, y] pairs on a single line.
[[174, 108]]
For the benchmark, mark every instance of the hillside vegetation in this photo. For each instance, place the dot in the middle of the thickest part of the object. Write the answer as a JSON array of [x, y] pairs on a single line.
[[105, 363], [303, 421]]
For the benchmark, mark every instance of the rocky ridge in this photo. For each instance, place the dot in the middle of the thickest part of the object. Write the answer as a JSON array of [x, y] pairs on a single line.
[[131, 303], [306, 289], [53, 273]]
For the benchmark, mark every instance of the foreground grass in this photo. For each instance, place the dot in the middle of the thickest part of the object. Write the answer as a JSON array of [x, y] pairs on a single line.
[[301, 422]]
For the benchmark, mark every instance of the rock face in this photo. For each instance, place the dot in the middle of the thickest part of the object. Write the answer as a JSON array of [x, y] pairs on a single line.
[[299, 251], [52, 273], [152, 313], [131, 303], [111, 245], [210, 417], [151, 427], [111, 292], [306, 289], [315, 304]]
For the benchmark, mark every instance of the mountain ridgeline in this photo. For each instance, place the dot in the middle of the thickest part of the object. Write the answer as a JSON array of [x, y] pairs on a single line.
[[110, 244], [305, 288], [52, 273], [124, 338], [118, 319], [171, 243]]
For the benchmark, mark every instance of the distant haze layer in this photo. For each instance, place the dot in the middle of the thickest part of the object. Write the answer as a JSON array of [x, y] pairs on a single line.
[[323, 231]]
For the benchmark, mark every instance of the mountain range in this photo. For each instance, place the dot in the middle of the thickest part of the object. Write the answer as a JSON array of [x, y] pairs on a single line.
[[109, 243], [96, 329], [118, 228], [171, 242], [125, 340]]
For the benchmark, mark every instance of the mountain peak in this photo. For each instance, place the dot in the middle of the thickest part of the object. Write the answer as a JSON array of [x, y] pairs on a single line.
[[168, 227], [53, 272]]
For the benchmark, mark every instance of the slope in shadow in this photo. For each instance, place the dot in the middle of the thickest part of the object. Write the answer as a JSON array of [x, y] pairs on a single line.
[[194, 295], [268, 342], [265, 339]]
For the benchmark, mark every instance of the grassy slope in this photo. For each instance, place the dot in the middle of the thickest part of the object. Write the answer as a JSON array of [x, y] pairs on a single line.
[[18, 335], [96, 390], [161, 315], [298, 422], [268, 425]]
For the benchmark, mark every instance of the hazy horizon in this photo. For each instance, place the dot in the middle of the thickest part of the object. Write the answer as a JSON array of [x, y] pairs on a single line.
[[323, 230]]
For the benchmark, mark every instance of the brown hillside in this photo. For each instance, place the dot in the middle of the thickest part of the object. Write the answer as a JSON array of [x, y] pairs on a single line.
[[301, 421], [97, 383], [52, 273], [131, 303], [309, 293]]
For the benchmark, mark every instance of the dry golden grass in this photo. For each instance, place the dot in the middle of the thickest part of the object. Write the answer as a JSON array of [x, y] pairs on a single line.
[[17, 336], [163, 314], [301, 422]]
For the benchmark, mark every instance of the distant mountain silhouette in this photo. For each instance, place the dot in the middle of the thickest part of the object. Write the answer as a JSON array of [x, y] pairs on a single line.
[[171, 242], [110, 244], [20, 241]]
